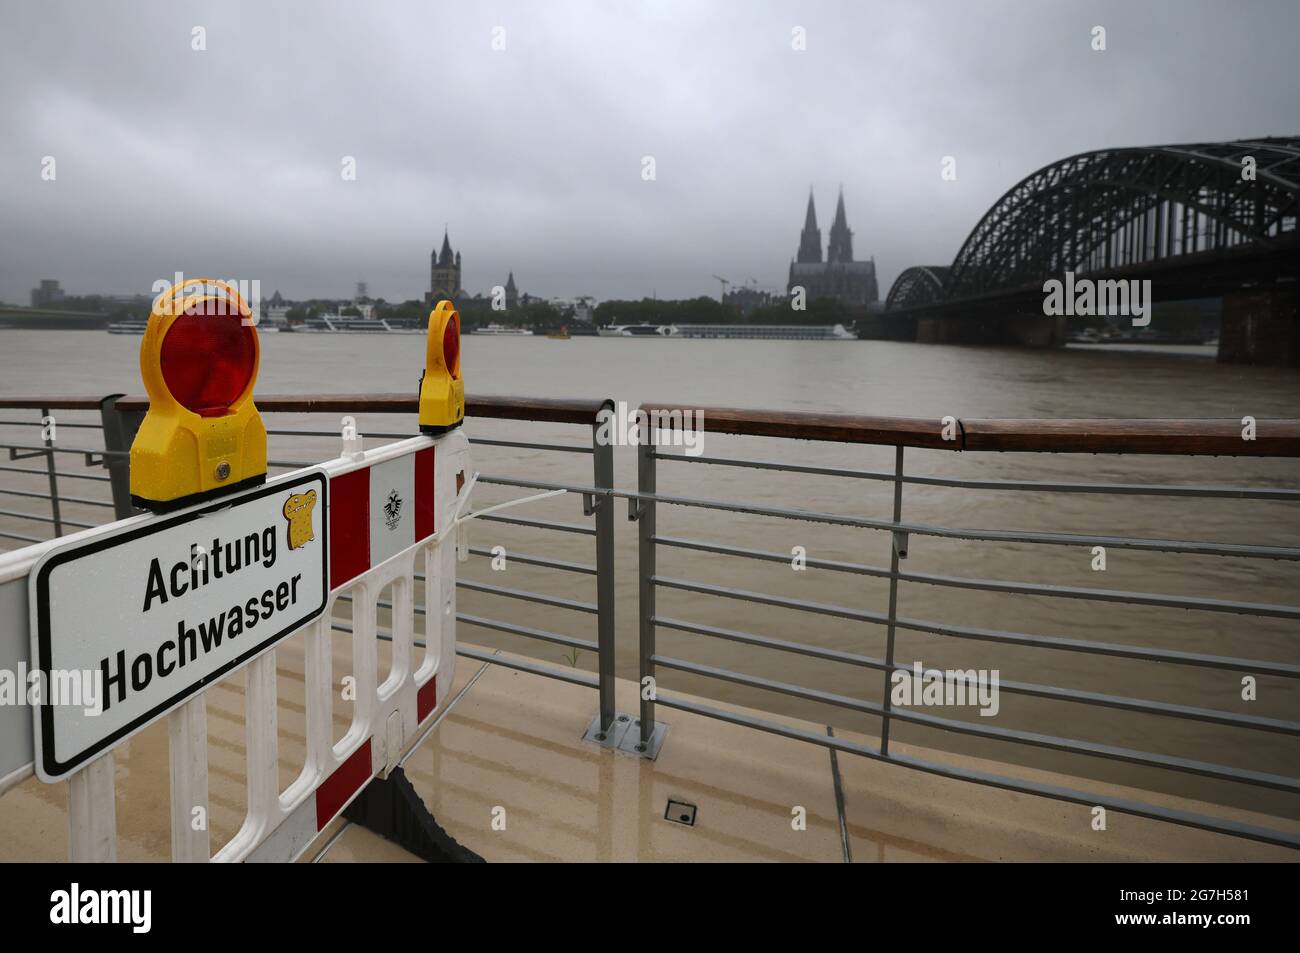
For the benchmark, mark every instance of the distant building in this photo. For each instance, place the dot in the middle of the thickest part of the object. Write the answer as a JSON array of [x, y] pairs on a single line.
[[444, 274], [277, 315], [47, 294], [130, 301], [839, 276], [580, 309], [749, 300]]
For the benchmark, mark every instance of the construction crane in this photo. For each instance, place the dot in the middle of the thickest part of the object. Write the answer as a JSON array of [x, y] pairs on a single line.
[[725, 282]]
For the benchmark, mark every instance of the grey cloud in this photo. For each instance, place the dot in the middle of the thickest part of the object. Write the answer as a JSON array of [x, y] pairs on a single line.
[[227, 162]]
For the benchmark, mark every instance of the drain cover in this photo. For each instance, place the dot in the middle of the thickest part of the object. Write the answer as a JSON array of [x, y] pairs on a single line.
[[679, 812]]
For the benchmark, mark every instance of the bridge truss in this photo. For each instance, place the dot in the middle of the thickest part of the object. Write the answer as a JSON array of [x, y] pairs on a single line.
[[1117, 208]]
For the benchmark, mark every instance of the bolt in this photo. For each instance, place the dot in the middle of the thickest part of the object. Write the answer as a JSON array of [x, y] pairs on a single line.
[[600, 736], [223, 470], [622, 717], [641, 748]]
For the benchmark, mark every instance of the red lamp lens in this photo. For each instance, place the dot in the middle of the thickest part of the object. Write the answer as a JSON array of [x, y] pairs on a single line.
[[451, 347], [208, 359]]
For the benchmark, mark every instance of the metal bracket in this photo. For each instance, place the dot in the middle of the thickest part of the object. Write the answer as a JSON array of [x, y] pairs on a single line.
[[589, 504], [900, 543], [635, 508], [625, 735], [15, 455]]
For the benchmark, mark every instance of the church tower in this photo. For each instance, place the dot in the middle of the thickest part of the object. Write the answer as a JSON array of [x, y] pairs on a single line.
[[810, 239], [512, 293], [444, 273], [841, 244]]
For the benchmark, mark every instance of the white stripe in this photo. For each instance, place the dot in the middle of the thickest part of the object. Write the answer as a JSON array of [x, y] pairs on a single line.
[[392, 508]]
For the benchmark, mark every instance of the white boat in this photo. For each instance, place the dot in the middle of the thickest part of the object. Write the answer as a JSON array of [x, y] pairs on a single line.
[[339, 324], [769, 332], [638, 330], [502, 331], [127, 327]]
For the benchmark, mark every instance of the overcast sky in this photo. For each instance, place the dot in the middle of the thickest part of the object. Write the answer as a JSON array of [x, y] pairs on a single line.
[[227, 162]]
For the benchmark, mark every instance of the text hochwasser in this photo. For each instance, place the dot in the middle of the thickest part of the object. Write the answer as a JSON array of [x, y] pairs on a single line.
[[195, 638]]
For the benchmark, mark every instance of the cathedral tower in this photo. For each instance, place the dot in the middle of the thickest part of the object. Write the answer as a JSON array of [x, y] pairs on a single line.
[[810, 239], [839, 277], [841, 244]]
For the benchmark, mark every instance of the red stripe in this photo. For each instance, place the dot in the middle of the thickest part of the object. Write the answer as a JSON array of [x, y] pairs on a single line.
[[426, 699], [424, 518], [349, 526], [346, 780]]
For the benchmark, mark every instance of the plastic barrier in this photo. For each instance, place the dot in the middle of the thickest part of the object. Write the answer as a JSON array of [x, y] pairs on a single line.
[[392, 518]]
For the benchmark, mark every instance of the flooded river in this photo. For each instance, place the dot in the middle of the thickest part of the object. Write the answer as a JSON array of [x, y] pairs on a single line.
[[864, 378]]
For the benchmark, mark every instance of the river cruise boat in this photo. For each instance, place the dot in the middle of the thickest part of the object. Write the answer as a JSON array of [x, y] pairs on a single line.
[[500, 330]]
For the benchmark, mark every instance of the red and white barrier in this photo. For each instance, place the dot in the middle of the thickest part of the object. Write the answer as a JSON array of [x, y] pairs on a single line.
[[392, 515]]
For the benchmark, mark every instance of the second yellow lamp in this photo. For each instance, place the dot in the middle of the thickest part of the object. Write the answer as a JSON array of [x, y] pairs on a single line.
[[442, 391]]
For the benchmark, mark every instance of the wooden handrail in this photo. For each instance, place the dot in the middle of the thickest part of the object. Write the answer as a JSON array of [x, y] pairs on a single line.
[[838, 428], [1279, 437], [1206, 436], [53, 403], [1219, 437]]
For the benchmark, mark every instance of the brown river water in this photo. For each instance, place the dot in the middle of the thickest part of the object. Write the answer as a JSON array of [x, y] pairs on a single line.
[[864, 378]]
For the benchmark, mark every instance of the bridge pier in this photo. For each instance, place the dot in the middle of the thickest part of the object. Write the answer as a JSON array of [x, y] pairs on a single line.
[[1022, 330], [1261, 326], [886, 327]]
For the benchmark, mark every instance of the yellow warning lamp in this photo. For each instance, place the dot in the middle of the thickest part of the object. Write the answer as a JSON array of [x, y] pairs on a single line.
[[202, 436], [442, 391]]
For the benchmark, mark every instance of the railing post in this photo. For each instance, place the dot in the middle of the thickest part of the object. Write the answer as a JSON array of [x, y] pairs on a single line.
[[119, 432], [898, 550], [602, 445], [645, 510], [53, 476]]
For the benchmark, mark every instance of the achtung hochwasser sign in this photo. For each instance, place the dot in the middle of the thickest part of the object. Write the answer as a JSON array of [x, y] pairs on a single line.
[[151, 613]]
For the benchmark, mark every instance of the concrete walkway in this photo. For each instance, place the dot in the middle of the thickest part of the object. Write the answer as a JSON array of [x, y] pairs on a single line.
[[511, 749]]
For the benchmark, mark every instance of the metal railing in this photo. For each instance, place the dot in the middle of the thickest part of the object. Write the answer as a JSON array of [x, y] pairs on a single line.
[[1277, 438], [45, 448], [120, 417], [596, 505]]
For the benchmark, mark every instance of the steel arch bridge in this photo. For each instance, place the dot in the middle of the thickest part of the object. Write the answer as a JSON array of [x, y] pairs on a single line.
[[918, 285], [1114, 209]]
